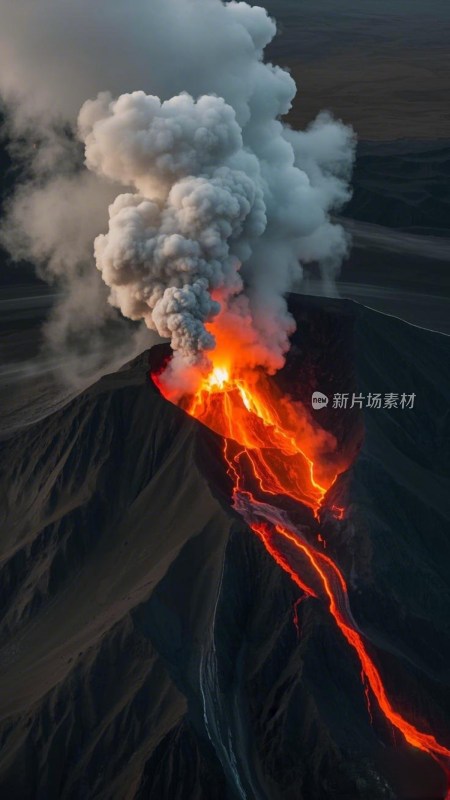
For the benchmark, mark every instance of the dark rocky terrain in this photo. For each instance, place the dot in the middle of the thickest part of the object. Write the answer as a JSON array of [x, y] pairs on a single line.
[[147, 644], [403, 185]]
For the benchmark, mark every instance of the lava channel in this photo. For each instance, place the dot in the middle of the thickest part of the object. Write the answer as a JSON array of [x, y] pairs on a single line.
[[272, 452]]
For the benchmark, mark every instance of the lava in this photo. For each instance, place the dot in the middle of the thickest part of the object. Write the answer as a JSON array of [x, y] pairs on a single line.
[[272, 452], [278, 441]]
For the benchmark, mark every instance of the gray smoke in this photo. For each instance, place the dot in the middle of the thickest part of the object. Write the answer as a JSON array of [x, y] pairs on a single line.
[[220, 202]]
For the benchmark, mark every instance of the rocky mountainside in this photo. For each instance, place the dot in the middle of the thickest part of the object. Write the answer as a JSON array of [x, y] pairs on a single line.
[[147, 639]]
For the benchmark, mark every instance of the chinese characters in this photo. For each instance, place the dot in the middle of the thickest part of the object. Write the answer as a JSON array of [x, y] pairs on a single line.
[[373, 400]]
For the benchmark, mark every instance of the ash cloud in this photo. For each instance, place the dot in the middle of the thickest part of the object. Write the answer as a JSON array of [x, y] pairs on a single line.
[[198, 205]]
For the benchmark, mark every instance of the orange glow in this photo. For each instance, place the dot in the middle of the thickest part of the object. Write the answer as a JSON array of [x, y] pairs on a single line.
[[329, 574], [272, 452], [278, 439], [338, 512]]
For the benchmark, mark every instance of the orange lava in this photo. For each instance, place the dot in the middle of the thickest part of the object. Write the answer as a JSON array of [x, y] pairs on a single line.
[[273, 451], [280, 442], [328, 572]]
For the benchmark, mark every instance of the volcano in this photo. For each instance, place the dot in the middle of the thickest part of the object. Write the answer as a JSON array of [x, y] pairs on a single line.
[[154, 642]]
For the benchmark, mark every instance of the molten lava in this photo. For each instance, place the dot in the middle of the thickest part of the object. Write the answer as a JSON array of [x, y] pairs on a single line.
[[272, 451], [277, 440]]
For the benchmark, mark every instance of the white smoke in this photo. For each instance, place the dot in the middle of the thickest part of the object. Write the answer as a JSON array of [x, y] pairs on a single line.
[[221, 203]]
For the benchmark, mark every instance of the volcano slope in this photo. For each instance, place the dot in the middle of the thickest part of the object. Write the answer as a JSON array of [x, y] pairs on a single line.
[[148, 645]]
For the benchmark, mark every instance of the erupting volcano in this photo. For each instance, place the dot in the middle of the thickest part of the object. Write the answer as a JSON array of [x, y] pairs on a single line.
[[217, 580], [276, 459]]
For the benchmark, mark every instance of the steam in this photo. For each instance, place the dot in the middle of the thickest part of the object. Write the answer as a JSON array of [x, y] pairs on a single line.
[[214, 204]]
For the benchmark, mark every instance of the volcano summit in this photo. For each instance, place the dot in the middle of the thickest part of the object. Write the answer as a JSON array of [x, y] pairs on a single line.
[[153, 646]]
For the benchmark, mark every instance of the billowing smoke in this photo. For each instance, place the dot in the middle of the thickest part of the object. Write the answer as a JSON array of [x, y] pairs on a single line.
[[220, 204]]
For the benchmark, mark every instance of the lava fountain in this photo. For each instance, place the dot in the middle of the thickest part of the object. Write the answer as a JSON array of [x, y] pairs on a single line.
[[273, 453]]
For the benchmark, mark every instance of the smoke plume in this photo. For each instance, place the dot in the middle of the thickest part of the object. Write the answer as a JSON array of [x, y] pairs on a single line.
[[197, 203]]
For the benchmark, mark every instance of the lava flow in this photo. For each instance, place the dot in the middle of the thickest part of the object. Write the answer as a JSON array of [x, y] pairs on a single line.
[[272, 451]]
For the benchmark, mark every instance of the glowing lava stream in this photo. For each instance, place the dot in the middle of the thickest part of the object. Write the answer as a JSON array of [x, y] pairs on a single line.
[[263, 453]]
